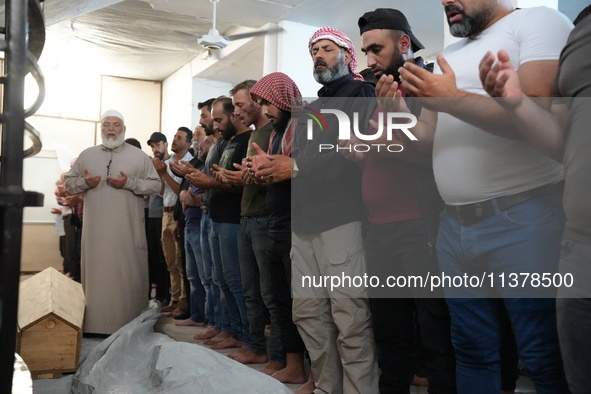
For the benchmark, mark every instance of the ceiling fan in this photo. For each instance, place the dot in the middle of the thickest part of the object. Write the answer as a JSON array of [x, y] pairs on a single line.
[[213, 40]]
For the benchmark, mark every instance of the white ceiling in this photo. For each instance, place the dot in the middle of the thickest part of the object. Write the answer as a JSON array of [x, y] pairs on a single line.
[[150, 39]]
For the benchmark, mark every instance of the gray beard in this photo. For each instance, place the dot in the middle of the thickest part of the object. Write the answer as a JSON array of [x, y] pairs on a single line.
[[465, 28], [112, 144], [471, 25], [331, 74]]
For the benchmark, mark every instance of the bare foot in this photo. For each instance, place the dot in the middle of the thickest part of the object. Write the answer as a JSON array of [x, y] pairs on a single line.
[[178, 312], [420, 381], [238, 352], [189, 322], [172, 313], [169, 308], [227, 344], [272, 367], [291, 374], [218, 338], [208, 333], [249, 357], [307, 387]]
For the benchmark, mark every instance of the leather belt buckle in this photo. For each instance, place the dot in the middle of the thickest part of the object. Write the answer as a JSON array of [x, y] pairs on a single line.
[[472, 213]]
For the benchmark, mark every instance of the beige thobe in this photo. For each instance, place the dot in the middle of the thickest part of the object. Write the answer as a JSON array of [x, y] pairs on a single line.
[[114, 253]]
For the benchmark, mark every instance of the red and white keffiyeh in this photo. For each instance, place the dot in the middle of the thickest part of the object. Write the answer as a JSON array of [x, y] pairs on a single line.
[[280, 90], [342, 40]]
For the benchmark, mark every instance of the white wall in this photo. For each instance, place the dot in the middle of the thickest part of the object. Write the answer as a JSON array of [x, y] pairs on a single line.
[[138, 101], [204, 89], [69, 118], [177, 103], [293, 57], [68, 94]]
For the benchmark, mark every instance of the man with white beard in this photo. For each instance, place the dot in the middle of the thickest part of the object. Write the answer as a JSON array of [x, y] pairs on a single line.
[[114, 177]]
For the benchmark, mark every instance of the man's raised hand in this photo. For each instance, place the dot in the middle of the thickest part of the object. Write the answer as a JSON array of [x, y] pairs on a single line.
[[91, 181]]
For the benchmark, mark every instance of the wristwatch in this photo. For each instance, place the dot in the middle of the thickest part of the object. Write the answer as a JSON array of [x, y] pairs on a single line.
[[294, 168]]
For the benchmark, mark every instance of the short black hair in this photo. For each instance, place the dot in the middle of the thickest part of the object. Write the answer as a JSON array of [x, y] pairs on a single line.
[[226, 104], [188, 131], [206, 103], [134, 142]]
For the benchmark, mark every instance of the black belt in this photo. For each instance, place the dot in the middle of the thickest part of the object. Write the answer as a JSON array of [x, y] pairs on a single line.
[[168, 209], [473, 213]]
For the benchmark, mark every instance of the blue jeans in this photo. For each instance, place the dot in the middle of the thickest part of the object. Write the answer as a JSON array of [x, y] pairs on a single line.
[[254, 271], [524, 238], [574, 314], [197, 291], [212, 289], [224, 250]]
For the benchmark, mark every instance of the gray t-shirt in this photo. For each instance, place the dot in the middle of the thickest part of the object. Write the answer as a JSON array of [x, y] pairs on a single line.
[[574, 80]]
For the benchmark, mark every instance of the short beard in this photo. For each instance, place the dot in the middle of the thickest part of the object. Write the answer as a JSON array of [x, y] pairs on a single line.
[[113, 143], [208, 131], [229, 133], [470, 25], [332, 74], [395, 64], [282, 122]]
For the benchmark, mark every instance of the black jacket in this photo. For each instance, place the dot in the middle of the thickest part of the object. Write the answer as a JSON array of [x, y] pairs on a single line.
[[327, 190]]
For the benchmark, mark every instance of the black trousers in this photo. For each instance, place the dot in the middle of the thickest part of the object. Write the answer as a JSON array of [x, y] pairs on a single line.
[[401, 248], [279, 262], [73, 229], [158, 272]]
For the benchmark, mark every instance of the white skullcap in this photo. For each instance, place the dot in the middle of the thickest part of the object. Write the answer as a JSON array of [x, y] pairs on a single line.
[[112, 112]]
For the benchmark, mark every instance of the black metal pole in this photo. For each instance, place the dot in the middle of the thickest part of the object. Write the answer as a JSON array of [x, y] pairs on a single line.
[[11, 189]]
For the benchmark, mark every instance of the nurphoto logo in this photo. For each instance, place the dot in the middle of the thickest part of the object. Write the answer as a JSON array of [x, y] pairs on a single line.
[[388, 122]]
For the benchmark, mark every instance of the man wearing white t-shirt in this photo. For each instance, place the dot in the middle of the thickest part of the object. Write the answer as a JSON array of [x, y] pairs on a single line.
[[503, 197]]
